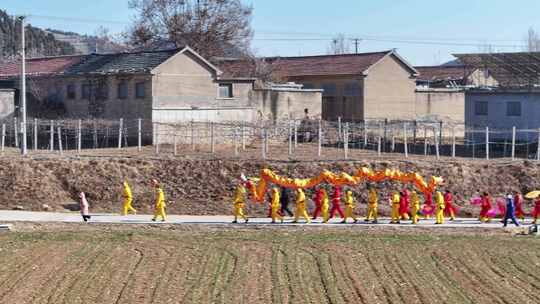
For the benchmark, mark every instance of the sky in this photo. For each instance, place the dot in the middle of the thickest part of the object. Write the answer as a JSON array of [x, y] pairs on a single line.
[[423, 32]]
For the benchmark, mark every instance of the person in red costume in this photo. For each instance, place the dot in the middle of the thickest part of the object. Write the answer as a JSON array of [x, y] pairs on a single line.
[[336, 203], [485, 207], [404, 205], [518, 204], [449, 209], [428, 209], [319, 195], [536, 210]]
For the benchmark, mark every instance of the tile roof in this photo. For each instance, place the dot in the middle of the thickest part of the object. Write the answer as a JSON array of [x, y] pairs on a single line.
[[437, 73], [40, 66], [88, 64], [236, 68], [349, 64]]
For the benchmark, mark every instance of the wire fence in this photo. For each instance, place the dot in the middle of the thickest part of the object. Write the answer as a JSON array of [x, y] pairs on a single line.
[[285, 139]]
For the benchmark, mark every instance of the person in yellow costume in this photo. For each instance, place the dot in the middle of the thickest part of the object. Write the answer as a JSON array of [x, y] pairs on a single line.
[[325, 206], [128, 199], [159, 207], [275, 205], [239, 203], [395, 208], [415, 207], [439, 205], [349, 207], [372, 206], [301, 206]]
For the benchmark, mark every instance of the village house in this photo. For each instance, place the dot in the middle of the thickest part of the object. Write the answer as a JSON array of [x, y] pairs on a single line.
[[158, 86]]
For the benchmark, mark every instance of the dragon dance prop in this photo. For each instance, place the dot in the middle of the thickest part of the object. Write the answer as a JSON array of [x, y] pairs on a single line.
[[268, 176]]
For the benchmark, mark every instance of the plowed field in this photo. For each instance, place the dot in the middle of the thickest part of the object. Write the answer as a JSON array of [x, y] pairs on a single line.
[[275, 266]]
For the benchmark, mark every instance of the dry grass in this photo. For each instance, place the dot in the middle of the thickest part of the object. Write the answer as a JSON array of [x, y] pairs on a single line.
[[276, 266]]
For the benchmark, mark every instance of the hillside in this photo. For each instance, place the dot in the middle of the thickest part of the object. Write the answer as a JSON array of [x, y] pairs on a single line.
[[38, 42], [86, 44]]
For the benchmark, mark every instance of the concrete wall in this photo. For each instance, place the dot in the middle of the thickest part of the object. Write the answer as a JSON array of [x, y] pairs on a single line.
[[497, 117], [282, 104], [389, 91], [7, 103], [342, 102], [440, 104]]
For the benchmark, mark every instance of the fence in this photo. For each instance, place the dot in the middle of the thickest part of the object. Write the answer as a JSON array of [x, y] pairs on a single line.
[[286, 139]]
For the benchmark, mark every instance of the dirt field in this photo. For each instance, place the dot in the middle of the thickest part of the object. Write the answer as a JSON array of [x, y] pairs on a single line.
[[98, 264], [201, 184]]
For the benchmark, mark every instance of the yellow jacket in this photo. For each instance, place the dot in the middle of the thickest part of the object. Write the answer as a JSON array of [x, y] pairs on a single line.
[[349, 199], [415, 201], [275, 199], [240, 195], [439, 200], [127, 191], [325, 201], [160, 198], [395, 198], [373, 199], [301, 199]]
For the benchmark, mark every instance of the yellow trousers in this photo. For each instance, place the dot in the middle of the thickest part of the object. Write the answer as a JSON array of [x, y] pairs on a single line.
[[303, 213], [349, 213], [395, 213], [439, 215], [127, 207], [159, 211], [372, 212], [414, 214], [239, 212], [275, 214], [325, 214]]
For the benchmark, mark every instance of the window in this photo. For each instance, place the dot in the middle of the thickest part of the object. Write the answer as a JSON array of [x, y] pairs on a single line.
[[102, 91], [71, 94], [122, 89], [225, 90], [513, 108], [329, 89], [352, 89], [85, 91], [481, 108], [140, 91]]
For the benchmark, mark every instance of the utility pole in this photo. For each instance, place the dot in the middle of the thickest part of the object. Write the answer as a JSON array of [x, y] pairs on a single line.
[[24, 149], [356, 42]]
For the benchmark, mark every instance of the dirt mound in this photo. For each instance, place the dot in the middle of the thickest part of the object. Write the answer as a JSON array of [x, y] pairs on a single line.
[[205, 187]]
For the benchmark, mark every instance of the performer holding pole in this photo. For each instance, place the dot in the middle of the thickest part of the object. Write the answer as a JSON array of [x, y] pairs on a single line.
[[318, 202], [336, 203], [285, 200], [301, 206], [275, 206], [395, 201], [449, 209], [128, 199], [239, 203], [439, 212], [404, 205], [159, 207], [349, 207], [325, 206], [415, 207], [485, 207], [372, 205]]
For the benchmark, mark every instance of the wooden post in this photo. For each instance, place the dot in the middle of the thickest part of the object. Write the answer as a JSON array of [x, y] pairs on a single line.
[[513, 143], [319, 148], [487, 143], [243, 136], [406, 149], [236, 142], [156, 138], [60, 139], [120, 127], [425, 141], [192, 135], [295, 134], [212, 143], [346, 140], [139, 135], [453, 142], [263, 145], [3, 137], [339, 129], [436, 140], [95, 136], [175, 147], [35, 134], [51, 138], [15, 132], [289, 131], [538, 147], [79, 136]]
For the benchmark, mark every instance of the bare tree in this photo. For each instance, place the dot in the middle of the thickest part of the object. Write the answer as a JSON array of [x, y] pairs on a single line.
[[339, 45], [532, 40], [211, 27]]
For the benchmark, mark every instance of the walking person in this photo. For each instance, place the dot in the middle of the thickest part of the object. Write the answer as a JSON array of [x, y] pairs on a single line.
[[373, 200], [349, 207], [404, 205], [83, 204], [449, 209], [510, 213], [325, 206], [318, 202], [128, 199], [275, 206], [485, 206], [536, 211], [439, 205], [301, 207], [159, 205], [239, 203], [395, 201], [518, 203], [284, 199], [415, 207], [336, 203]]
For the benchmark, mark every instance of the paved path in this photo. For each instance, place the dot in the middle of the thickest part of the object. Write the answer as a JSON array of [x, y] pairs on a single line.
[[73, 217]]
